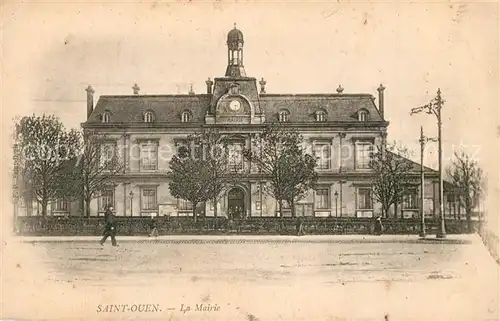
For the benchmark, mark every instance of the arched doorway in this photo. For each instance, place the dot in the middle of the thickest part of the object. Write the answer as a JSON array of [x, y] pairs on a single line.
[[236, 203]]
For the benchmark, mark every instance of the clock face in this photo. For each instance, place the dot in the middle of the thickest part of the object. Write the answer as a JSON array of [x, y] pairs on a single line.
[[234, 105]]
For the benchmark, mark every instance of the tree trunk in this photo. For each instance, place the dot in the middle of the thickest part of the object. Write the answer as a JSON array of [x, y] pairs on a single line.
[[44, 206], [280, 208], [292, 207], [215, 212], [87, 207], [214, 200], [194, 212]]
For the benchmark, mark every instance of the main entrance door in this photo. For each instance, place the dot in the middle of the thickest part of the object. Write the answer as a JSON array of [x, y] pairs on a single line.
[[236, 203]]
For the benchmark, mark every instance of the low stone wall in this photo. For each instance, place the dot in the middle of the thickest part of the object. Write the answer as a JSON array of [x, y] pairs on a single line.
[[81, 226]]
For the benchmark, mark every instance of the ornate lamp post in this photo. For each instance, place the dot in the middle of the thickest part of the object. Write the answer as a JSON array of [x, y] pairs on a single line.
[[131, 195], [434, 107], [336, 194]]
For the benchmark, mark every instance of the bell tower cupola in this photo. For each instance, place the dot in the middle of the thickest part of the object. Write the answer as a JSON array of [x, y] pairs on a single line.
[[235, 54]]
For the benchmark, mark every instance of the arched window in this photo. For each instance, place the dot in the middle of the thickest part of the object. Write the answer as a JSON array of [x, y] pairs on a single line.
[[106, 117], [321, 115], [148, 117], [363, 115], [284, 115], [186, 116]]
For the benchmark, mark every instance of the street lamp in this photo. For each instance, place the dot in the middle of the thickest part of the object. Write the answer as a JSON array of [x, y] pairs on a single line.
[[423, 140], [336, 194], [131, 195], [434, 107]]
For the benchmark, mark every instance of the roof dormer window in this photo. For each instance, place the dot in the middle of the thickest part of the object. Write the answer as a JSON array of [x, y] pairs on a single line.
[[186, 116], [148, 117], [321, 115], [284, 115], [363, 115], [105, 117]]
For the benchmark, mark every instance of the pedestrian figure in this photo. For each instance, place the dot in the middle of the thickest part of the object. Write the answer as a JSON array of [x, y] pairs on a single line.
[[378, 226], [153, 230], [299, 227], [109, 226]]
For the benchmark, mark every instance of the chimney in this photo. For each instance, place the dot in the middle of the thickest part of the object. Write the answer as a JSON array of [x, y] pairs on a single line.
[[136, 89], [381, 100], [340, 89], [209, 83], [262, 83], [90, 100], [191, 92]]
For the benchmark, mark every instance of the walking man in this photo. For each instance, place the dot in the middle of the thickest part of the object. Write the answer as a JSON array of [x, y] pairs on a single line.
[[153, 228], [378, 226], [109, 227]]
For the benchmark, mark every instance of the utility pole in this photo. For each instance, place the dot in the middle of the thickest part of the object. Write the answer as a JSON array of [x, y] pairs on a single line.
[[423, 140], [434, 107]]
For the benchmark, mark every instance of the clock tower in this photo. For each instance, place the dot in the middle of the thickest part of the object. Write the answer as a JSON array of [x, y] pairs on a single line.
[[235, 97]]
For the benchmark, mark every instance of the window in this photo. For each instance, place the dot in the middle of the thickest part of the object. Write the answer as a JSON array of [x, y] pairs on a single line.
[[410, 200], [106, 199], [61, 205], [107, 155], [186, 116], [105, 117], [322, 152], [148, 199], [258, 197], [284, 115], [365, 199], [235, 154], [322, 198], [363, 115], [184, 205], [149, 156], [363, 155], [321, 115], [304, 210], [148, 117]]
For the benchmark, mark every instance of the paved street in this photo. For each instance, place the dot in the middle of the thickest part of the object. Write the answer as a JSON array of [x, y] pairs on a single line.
[[254, 278]]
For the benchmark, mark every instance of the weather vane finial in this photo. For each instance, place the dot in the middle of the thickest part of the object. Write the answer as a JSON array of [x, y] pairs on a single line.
[[235, 25]]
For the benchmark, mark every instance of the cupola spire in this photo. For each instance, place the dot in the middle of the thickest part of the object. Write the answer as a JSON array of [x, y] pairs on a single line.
[[235, 54]]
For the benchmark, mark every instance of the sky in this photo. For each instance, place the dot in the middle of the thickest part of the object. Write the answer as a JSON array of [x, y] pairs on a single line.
[[52, 51]]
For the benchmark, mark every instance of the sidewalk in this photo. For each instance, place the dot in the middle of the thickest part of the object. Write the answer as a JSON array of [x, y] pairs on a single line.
[[259, 239]]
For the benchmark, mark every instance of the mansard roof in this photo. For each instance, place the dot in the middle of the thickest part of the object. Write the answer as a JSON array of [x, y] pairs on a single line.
[[302, 107], [167, 108], [415, 167]]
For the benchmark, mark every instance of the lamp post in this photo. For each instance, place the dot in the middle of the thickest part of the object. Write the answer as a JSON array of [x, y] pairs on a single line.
[[423, 140], [131, 195], [336, 194], [434, 107]]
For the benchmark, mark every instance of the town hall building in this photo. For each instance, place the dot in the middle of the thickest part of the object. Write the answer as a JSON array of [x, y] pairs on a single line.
[[341, 128]]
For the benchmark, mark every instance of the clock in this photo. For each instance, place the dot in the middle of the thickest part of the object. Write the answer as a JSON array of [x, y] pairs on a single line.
[[234, 105]]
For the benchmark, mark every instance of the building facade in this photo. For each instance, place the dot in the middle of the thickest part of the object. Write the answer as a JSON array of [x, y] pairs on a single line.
[[341, 129]]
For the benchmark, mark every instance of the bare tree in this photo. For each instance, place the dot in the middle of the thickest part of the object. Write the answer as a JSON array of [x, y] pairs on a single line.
[[96, 167], [391, 169], [278, 154], [214, 150], [467, 177], [43, 149]]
